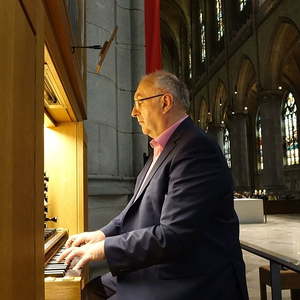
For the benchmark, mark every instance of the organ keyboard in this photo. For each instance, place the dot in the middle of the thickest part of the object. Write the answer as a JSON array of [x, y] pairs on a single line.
[[60, 281]]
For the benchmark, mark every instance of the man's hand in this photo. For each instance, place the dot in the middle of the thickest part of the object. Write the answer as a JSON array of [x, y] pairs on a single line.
[[85, 238], [80, 256]]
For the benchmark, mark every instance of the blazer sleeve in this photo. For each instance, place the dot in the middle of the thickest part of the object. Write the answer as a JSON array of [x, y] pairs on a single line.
[[113, 227], [198, 181]]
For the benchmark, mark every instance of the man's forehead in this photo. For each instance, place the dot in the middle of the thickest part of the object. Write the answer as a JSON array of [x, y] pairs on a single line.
[[144, 86]]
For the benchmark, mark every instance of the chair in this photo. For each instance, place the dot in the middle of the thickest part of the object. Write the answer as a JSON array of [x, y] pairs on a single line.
[[289, 280]]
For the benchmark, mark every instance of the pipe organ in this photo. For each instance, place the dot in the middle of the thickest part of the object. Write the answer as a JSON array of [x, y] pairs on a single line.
[[43, 105], [64, 200]]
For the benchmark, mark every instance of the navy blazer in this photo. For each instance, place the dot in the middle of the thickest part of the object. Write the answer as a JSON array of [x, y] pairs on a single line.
[[178, 238]]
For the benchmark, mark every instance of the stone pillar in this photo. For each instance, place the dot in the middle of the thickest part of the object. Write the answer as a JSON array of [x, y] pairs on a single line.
[[239, 152], [115, 146], [216, 132], [115, 143], [138, 68], [270, 110]]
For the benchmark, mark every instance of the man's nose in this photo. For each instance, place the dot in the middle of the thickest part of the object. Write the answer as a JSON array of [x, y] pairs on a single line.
[[134, 112]]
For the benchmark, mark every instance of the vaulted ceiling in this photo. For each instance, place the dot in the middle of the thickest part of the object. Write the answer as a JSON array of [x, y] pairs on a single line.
[[175, 34]]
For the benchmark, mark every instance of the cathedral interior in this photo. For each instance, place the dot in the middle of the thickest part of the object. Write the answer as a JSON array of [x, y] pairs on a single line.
[[68, 135]]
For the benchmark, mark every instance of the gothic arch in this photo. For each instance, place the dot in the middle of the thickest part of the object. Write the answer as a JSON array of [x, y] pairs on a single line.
[[283, 55], [220, 103], [170, 49], [177, 34], [245, 93], [203, 114]]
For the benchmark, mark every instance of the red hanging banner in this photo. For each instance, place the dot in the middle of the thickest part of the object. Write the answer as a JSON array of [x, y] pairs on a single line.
[[152, 35]]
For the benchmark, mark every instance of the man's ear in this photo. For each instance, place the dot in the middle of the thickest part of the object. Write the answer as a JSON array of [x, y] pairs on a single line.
[[168, 102]]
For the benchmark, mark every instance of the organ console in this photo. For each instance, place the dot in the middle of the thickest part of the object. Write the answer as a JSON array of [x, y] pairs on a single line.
[[41, 80], [64, 185], [61, 282]]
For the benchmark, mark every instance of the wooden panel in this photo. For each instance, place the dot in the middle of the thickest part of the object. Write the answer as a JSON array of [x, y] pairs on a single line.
[[6, 163], [62, 111], [39, 153], [71, 288], [64, 167], [59, 42], [23, 153], [82, 178], [272, 207], [30, 7], [20, 154], [59, 67]]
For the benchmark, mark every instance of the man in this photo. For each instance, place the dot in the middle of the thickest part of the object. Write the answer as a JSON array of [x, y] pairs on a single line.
[[178, 237]]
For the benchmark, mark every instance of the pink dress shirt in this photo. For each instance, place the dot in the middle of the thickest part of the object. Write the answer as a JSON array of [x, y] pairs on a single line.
[[158, 144]]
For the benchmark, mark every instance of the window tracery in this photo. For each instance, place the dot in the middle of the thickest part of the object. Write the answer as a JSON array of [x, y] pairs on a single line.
[[259, 148], [243, 4], [226, 143], [220, 19], [290, 140], [202, 36]]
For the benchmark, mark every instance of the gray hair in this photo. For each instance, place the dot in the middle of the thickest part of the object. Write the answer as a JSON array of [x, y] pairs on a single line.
[[172, 84]]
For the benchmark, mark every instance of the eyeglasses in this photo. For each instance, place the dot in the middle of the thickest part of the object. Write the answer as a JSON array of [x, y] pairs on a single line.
[[147, 98]]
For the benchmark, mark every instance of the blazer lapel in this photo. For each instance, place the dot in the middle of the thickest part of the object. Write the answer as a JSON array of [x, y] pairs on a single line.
[[142, 174], [139, 181], [138, 191], [168, 148]]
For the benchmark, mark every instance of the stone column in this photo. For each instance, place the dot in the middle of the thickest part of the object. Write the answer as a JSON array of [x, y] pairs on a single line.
[[216, 132], [270, 110], [138, 69], [115, 147], [239, 152], [115, 143]]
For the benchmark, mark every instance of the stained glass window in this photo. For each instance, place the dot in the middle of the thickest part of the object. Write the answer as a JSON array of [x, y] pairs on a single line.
[[220, 19], [202, 36], [190, 62], [242, 4], [226, 143], [259, 148], [290, 142]]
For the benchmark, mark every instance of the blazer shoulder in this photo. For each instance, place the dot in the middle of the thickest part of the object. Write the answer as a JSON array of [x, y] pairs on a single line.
[[194, 136], [193, 140]]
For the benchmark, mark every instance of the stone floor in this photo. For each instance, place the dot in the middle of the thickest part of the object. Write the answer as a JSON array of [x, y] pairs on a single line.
[[276, 223]]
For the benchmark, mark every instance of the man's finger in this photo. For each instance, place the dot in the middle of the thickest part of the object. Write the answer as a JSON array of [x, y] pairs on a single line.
[[78, 242], [72, 255], [81, 263], [70, 242], [64, 254]]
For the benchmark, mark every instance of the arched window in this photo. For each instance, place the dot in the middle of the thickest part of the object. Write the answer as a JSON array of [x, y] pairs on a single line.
[[259, 148], [290, 140], [202, 36], [190, 63], [242, 4], [226, 143], [220, 19]]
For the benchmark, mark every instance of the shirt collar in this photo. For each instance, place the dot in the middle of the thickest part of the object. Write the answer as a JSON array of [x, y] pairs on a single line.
[[164, 137]]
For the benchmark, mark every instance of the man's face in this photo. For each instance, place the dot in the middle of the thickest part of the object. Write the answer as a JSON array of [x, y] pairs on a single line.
[[149, 112]]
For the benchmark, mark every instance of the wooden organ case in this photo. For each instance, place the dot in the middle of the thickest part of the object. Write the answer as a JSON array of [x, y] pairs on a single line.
[[64, 145], [64, 166], [43, 105]]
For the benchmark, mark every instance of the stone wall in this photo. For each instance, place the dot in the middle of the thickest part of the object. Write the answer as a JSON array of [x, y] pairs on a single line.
[[115, 143]]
